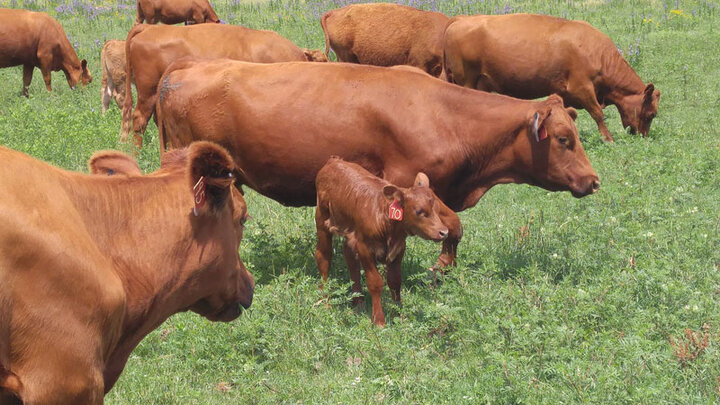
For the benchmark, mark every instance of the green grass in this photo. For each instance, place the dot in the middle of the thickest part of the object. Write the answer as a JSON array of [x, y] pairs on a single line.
[[581, 310]]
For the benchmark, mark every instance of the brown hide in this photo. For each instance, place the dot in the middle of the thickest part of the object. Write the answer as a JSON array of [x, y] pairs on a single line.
[[385, 34], [353, 203], [175, 11], [112, 63], [281, 122], [151, 49], [530, 56], [33, 39], [97, 262]]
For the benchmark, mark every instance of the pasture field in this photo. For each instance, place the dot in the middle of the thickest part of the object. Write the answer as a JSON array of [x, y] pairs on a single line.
[[613, 298]]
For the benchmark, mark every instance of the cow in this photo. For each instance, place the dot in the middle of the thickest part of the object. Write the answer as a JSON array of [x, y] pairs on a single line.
[[151, 48], [34, 39], [385, 34], [112, 63], [90, 264], [175, 11], [374, 217], [281, 122], [530, 56]]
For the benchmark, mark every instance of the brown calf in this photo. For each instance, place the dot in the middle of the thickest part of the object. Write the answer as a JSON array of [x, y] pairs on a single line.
[[385, 34], [34, 40], [175, 11], [530, 56], [112, 63], [375, 217]]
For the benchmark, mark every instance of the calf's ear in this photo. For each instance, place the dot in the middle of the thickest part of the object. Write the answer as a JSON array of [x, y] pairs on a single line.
[[422, 180], [393, 193], [210, 175], [111, 162]]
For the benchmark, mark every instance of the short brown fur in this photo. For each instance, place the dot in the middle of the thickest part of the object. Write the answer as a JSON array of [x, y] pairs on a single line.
[[175, 11], [112, 63]]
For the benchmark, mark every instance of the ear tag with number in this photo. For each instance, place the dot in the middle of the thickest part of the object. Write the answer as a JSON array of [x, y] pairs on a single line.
[[199, 189], [395, 212]]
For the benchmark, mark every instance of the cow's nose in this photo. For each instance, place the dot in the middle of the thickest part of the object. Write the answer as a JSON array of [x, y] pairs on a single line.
[[595, 185], [443, 234]]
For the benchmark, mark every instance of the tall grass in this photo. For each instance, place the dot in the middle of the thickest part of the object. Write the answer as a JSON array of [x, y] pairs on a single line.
[[554, 300]]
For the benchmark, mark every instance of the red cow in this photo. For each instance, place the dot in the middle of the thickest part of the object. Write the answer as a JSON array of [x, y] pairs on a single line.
[[175, 11], [375, 217]]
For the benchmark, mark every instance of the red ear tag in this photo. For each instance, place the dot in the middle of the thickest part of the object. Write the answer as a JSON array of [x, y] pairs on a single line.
[[395, 211], [199, 189], [542, 133]]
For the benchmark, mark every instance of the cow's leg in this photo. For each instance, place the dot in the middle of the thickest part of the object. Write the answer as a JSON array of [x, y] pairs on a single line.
[[394, 275], [584, 96], [46, 77], [374, 283], [143, 110], [27, 78], [323, 249], [353, 265], [449, 248]]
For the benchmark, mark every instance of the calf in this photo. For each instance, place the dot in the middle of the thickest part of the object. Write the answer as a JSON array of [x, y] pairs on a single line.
[[112, 63], [34, 39], [375, 217], [175, 11], [90, 264], [530, 56], [385, 34]]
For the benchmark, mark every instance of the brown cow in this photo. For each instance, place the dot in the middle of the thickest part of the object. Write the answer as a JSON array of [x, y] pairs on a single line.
[[281, 122], [112, 63], [385, 34], [375, 217], [175, 11], [91, 264], [531, 56], [151, 48], [33, 39]]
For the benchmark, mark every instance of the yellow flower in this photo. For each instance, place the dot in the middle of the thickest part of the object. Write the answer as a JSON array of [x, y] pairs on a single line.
[[678, 12]]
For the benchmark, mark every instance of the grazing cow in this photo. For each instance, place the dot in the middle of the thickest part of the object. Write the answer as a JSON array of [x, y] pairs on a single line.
[[281, 122], [112, 63], [151, 48], [530, 56], [33, 39], [90, 264], [385, 34], [375, 217], [175, 11]]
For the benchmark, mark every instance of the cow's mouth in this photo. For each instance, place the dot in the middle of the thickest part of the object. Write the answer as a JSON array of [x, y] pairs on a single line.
[[227, 314]]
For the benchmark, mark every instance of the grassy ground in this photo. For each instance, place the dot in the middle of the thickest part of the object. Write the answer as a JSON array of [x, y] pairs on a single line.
[[580, 306]]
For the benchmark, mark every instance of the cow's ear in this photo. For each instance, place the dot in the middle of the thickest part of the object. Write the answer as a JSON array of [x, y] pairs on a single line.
[[111, 162], [422, 180], [649, 92], [308, 55], [83, 65], [393, 193], [211, 176], [572, 113]]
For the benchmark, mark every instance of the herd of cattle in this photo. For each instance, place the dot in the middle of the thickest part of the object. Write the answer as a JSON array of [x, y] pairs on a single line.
[[383, 151]]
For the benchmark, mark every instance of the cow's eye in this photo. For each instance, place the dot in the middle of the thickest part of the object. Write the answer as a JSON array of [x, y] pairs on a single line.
[[563, 140], [421, 213]]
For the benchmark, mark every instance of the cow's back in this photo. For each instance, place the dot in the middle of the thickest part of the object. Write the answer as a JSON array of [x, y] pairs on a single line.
[[386, 34], [22, 32]]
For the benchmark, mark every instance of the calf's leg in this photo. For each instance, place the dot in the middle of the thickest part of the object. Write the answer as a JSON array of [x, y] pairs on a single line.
[[323, 249], [353, 265], [374, 283]]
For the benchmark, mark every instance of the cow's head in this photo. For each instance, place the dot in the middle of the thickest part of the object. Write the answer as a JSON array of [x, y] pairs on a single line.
[[218, 213], [315, 55], [638, 110], [553, 157], [420, 214], [78, 74]]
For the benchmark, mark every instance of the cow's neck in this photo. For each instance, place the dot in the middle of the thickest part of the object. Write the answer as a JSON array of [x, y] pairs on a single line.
[[620, 81], [138, 224]]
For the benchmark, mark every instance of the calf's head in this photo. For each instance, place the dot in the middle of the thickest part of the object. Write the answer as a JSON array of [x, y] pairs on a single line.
[[217, 213], [554, 157], [420, 215], [638, 110]]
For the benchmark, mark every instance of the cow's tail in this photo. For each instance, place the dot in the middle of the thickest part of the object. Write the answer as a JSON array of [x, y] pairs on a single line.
[[128, 105], [9, 382], [104, 91], [323, 23]]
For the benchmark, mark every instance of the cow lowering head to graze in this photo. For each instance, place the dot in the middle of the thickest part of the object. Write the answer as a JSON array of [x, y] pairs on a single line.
[[530, 56], [151, 48], [375, 217], [112, 63], [175, 11], [34, 39], [281, 122], [385, 34], [90, 264]]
